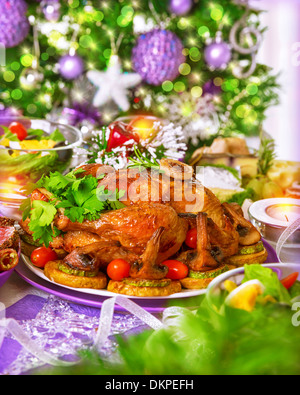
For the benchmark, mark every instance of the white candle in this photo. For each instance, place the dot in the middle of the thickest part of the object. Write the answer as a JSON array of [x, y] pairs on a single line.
[[273, 217], [278, 212], [284, 212]]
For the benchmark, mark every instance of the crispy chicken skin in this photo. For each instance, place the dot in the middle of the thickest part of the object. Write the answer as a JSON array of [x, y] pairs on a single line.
[[134, 226], [159, 211], [185, 196], [98, 255], [248, 234]]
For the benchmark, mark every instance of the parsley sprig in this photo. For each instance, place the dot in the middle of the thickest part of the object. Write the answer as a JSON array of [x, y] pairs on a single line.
[[79, 198]]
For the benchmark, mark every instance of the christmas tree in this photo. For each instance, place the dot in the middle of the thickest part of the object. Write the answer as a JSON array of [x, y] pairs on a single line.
[[190, 62]]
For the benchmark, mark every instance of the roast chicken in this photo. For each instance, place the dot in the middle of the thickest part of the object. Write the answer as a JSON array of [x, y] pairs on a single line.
[[160, 208]]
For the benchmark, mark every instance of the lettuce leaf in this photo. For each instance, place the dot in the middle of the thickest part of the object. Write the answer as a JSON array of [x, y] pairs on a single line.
[[270, 280]]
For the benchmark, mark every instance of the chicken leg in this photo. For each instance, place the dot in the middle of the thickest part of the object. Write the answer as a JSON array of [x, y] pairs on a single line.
[[204, 257], [248, 234], [146, 267]]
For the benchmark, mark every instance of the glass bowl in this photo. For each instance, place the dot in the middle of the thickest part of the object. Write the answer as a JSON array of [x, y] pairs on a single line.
[[20, 167], [4, 276], [272, 224], [143, 125]]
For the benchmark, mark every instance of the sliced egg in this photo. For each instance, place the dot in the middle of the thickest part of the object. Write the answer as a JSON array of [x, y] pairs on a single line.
[[35, 144], [244, 297]]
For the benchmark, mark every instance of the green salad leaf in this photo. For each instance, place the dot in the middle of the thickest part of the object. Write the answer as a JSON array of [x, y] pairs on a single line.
[[270, 280], [8, 134], [295, 290], [240, 197], [56, 136], [33, 164], [36, 134]]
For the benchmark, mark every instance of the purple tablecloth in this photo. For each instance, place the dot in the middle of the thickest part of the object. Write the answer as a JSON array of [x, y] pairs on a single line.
[[58, 327]]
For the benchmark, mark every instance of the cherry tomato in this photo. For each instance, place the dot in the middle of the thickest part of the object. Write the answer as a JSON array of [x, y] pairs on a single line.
[[118, 269], [18, 129], [177, 270], [290, 280], [191, 238], [43, 255]]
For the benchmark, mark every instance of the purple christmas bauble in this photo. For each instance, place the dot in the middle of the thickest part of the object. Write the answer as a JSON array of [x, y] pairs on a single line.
[[71, 67], [217, 55], [157, 56], [210, 88], [180, 7], [51, 10], [14, 24]]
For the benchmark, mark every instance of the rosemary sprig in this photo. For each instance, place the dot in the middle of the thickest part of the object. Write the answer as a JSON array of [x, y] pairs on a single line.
[[266, 155]]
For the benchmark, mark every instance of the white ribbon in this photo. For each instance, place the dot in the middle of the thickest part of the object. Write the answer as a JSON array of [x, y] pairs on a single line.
[[106, 317], [285, 236]]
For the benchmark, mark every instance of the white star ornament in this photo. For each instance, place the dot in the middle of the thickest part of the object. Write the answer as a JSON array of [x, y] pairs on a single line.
[[113, 84]]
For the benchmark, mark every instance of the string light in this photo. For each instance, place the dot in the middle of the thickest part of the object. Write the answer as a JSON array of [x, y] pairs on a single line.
[[96, 49]]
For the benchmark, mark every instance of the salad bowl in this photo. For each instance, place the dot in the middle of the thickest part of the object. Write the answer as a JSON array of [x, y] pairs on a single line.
[[47, 147], [216, 289]]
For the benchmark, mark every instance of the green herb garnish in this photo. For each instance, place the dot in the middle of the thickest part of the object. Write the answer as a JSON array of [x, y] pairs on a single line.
[[79, 198], [266, 156], [42, 215], [142, 162]]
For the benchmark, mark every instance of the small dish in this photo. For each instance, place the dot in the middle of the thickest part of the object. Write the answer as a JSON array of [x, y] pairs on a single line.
[[4, 276], [20, 167]]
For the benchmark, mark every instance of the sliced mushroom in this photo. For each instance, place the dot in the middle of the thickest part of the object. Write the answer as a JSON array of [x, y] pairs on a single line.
[[84, 258], [175, 169]]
